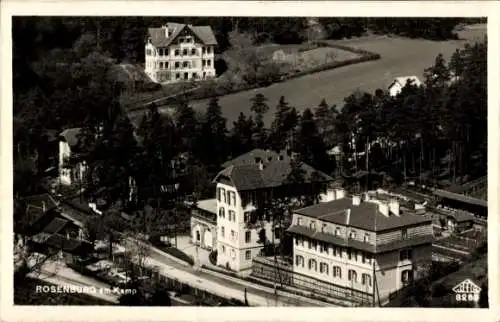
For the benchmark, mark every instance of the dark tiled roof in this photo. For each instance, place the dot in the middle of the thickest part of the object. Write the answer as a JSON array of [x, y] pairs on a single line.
[[69, 245], [461, 216], [364, 216], [158, 39], [55, 226], [71, 136], [335, 240], [274, 174], [250, 157], [458, 197], [76, 212]]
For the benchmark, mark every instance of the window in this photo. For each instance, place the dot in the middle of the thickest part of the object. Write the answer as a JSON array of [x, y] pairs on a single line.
[[349, 254], [161, 65], [299, 260], [352, 276], [313, 244], [297, 240], [166, 51], [405, 254], [406, 276], [323, 247], [198, 237], [404, 233], [148, 52], [323, 268], [177, 52], [185, 64], [181, 40], [323, 228], [203, 50], [232, 196], [177, 75], [218, 194], [313, 265], [189, 39], [166, 64], [233, 214], [160, 52], [177, 64], [337, 231], [222, 212], [232, 234], [299, 221], [193, 51], [223, 249], [184, 52], [277, 232], [248, 255], [336, 251], [366, 238], [337, 272], [204, 75], [366, 279], [229, 197], [312, 225], [246, 216], [209, 62], [223, 194], [248, 236], [352, 234], [222, 231]]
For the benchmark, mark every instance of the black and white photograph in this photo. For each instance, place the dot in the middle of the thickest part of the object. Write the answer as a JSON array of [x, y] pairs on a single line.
[[250, 161]]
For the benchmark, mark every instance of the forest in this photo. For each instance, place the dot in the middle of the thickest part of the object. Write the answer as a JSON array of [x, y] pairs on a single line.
[[61, 66]]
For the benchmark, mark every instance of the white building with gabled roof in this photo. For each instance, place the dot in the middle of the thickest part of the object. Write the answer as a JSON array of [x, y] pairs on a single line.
[[178, 52]]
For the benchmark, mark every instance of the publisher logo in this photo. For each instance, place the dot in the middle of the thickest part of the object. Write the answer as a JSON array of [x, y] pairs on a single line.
[[467, 291]]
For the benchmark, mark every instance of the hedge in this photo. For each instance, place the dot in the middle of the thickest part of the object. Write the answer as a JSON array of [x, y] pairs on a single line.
[[172, 251]]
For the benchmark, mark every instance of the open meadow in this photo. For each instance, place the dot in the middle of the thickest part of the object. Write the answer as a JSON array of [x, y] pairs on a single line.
[[400, 57]]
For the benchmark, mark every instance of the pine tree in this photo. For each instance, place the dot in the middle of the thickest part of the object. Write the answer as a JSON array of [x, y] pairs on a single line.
[[259, 107], [283, 126]]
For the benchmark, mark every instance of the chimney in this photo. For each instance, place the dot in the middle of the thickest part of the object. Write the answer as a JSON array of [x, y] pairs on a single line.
[[356, 200], [165, 28], [340, 194], [384, 209], [44, 208], [394, 207], [261, 165], [347, 217]]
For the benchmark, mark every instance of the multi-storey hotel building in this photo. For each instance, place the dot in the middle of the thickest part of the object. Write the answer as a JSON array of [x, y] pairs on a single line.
[[178, 52], [360, 247]]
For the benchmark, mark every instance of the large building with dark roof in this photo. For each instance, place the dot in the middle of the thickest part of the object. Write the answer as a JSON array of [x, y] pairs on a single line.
[[364, 246], [179, 52], [242, 187]]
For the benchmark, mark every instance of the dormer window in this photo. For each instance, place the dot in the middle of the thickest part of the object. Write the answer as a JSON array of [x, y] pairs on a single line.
[[366, 238], [352, 234], [280, 158], [323, 228], [337, 231], [312, 225], [258, 160], [299, 221]]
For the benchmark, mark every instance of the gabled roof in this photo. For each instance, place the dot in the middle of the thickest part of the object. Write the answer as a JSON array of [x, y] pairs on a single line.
[[55, 226], [404, 79], [458, 197], [245, 172], [71, 136], [250, 157], [365, 216], [208, 205], [158, 38]]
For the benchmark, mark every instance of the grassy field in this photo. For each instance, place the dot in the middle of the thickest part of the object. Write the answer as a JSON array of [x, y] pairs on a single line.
[[400, 57]]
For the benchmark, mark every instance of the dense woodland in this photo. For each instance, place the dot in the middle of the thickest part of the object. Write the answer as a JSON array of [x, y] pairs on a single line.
[[61, 80]]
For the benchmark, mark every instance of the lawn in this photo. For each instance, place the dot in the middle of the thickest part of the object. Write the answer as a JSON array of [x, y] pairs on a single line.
[[400, 57]]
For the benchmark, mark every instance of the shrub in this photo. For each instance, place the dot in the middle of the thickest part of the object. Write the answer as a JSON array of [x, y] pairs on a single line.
[[212, 257]]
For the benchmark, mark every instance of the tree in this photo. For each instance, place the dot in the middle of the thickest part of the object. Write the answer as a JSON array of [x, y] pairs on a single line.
[[310, 145], [213, 140], [241, 135], [283, 127], [259, 107], [325, 117]]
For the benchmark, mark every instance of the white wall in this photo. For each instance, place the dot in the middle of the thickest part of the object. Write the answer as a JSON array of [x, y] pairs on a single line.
[[237, 243], [395, 89]]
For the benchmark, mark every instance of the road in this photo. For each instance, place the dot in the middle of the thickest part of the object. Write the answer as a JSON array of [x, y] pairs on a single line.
[[227, 287]]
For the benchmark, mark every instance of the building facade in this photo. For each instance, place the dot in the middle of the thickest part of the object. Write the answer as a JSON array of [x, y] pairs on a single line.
[[359, 248], [204, 224], [68, 143], [178, 52], [246, 183]]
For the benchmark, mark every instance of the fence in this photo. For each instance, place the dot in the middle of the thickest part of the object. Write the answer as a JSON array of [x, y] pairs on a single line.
[[284, 275], [202, 297]]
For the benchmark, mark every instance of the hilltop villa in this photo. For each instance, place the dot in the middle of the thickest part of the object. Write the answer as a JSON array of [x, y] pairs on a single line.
[[178, 52]]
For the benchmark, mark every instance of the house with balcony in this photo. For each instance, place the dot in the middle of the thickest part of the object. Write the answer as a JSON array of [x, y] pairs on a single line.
[[68, 145], [178, 52], [243, 188], [359, 249], [204, 223]]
